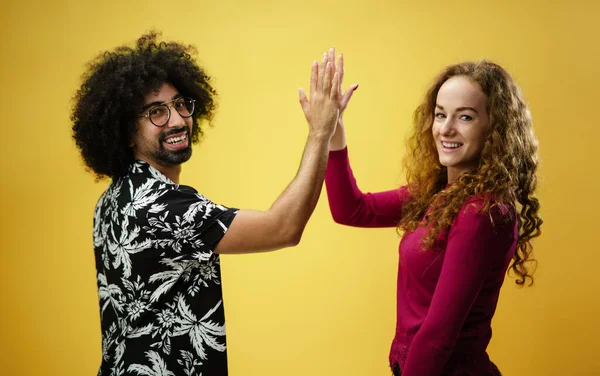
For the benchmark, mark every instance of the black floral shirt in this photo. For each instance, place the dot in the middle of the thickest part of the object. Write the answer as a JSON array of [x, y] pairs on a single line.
[[159, 282]]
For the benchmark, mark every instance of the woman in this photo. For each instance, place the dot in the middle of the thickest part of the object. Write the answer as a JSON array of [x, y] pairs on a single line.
[[467, 210]]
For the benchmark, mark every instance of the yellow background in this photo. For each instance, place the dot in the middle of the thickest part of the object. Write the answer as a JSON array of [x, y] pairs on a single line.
[[326, 307]]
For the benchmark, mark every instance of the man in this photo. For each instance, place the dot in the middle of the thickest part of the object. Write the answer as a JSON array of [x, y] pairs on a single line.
[[157, 243]]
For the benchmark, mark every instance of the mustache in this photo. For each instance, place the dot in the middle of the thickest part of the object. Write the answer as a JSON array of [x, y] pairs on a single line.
[[174, 131]]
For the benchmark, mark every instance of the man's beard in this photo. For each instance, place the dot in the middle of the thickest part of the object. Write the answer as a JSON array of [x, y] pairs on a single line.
[[169, 157]]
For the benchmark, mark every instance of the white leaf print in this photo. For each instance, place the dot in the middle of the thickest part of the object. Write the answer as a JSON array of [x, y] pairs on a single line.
[[159, 367], [201, 333], [140, 369], [112, 294], [202, 256], [187, 319], [141, 331], [141, 197], [204, 205], [194, 209], [167, 347], [119, 352], [197, 340], [137, 167], [159, 176], [157, 208], [126, 246], [180, 269], [211, 341], [212, 310]]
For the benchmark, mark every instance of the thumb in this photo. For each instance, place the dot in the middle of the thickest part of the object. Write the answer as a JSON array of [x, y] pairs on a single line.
[[303, 101], [347, 95]]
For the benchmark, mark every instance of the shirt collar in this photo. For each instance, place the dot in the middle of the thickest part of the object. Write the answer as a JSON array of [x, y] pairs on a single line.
[[143, 168]]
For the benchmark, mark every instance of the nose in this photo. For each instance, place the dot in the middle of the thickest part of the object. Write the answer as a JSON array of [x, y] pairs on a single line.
[[447, 127], [175, 120]]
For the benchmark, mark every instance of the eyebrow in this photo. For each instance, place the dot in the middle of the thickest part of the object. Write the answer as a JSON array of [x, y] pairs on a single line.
[[459, 109], [156, 103]]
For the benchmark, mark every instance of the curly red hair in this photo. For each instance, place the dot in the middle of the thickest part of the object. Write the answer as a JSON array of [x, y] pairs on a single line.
[[506, 171]]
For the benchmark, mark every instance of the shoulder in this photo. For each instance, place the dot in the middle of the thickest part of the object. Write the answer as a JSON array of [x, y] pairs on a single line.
[[486, 205], [408, 192], [485, 222], [484, 212], [404, 192]]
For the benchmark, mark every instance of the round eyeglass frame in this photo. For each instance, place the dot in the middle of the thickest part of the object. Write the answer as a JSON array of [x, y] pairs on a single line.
[[168, 105]]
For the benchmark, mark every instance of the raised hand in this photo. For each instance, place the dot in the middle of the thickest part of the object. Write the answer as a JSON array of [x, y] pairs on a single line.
[[338, 140], [322, 110], [339, 69]]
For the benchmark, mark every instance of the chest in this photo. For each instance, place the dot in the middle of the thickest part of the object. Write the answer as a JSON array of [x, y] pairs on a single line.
[[419, 263]]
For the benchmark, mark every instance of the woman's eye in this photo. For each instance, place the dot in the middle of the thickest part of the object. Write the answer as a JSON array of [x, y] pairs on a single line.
[[466, 118], [439, 115]]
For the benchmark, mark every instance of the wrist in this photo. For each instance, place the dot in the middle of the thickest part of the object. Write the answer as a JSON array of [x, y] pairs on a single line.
[[338, 140], [319, 136], [337, 145]]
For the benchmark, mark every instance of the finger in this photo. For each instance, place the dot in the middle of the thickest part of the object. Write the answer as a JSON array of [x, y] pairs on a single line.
[[321, 75], [314, 73], [327, 79], [322, 67], [340, 69], [303, 100], [334, 92], [347, 95], [331, 57]]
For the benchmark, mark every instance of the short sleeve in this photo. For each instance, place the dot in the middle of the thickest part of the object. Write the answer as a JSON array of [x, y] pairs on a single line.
[[184, 222]]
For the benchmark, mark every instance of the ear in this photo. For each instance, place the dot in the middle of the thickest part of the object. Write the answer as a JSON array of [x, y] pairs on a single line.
[[132, 131]]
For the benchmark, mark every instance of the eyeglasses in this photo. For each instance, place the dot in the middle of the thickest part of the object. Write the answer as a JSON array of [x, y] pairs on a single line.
[[160, 114]]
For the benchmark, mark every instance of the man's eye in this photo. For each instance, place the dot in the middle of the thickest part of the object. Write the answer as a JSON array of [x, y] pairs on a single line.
[[156, 111]]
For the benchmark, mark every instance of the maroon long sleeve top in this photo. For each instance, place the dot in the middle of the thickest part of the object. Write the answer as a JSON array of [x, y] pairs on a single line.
[[446, 295]]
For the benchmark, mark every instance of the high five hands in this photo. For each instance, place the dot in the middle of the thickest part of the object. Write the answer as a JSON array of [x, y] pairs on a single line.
[[327, 100]]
